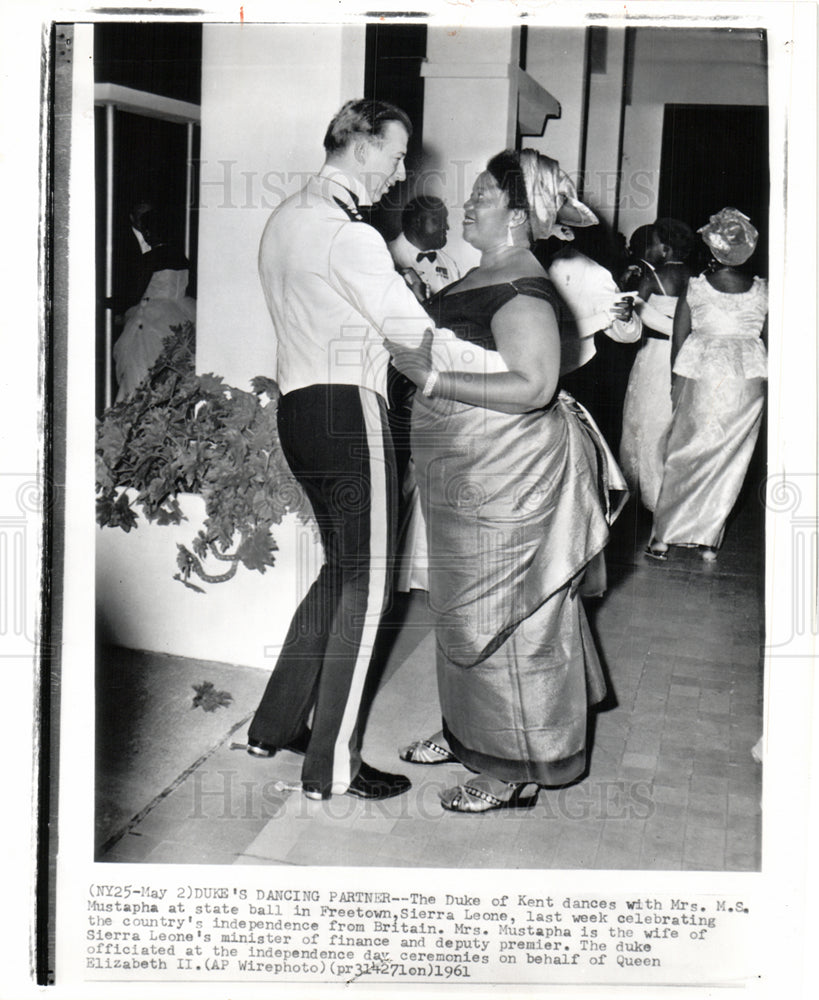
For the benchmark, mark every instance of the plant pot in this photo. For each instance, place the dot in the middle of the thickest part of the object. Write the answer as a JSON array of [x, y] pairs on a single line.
[[141, 606]]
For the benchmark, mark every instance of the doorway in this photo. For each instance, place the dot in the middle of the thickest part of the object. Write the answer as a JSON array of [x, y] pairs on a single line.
[[716, 156], [147, 88], [392, 72]]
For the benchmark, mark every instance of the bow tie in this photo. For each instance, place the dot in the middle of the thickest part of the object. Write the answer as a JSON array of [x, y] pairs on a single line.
[[430, 255]]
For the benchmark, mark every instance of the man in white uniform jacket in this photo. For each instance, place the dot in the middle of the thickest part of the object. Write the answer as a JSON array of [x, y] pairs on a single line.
[[334, 295]]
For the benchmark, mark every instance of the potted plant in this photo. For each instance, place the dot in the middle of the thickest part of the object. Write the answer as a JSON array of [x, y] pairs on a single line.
[[186, 433]]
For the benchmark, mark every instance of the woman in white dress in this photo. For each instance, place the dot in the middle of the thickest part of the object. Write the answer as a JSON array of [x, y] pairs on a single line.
[[720, 366], [662, 249]]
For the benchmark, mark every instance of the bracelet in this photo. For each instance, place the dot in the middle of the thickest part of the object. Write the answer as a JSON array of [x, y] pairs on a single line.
[[430, 383]]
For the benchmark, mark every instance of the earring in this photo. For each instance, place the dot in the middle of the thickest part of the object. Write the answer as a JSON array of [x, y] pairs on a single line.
[[510, 239]]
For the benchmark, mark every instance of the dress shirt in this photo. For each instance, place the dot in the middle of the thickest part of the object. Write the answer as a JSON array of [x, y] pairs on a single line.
[[435, 274], [144, 245], [332, 290], [590, 294]]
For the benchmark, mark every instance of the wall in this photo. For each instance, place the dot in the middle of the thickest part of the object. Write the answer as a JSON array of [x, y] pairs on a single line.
[[602, 142], [268, 93], [555, 57], [470, 113], [680, 66]]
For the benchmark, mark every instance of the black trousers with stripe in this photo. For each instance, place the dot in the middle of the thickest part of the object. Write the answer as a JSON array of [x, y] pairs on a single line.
[[337, 441]]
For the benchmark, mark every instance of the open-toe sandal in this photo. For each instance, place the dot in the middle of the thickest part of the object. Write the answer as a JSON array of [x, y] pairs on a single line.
[[426, 752], [469, 799]]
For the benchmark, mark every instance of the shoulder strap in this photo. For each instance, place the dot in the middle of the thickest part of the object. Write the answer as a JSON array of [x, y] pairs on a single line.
[[654, 275], [659, 281], [350, 211], [538, 288]]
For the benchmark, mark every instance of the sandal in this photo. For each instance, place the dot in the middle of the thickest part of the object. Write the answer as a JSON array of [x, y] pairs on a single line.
[[653, 551], [470, 799], [426, 752]]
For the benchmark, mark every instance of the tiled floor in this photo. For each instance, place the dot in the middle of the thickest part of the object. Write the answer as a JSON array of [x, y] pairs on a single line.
[[672, 784]]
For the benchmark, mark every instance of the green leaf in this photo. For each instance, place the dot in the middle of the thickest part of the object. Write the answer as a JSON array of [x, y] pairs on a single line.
[[208, 698], [262, 384], [111, 439], [256, 552], [105, 506], [115, 513], [170, 512], [105, 480], [211, 383]]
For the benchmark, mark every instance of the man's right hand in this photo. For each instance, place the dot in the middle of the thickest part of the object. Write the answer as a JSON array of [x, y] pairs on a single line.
[[624, 308], [415, 363]]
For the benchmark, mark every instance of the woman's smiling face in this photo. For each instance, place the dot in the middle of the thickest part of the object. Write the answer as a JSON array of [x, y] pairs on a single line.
[[486, 214]]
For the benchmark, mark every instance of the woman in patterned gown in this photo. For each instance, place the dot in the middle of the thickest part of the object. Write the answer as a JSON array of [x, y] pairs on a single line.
[[518, 490], [720, 366]]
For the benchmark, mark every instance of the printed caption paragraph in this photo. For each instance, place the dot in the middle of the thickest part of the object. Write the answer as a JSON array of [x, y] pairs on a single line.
[[243, 934]]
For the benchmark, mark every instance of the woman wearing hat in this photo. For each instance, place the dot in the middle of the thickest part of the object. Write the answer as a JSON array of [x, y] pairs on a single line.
[[719, 363], [518, 490]]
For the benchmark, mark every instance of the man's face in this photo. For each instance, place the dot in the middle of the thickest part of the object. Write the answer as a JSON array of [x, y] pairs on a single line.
[[383, 164], [433, 229]]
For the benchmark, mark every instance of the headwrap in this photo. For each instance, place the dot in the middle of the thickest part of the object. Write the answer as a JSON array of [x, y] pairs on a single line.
[[553, 200], [730, 236]]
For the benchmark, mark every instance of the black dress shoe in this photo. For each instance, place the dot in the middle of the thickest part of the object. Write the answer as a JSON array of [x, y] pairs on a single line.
[[370, 783], [258, 749], [298, 745]]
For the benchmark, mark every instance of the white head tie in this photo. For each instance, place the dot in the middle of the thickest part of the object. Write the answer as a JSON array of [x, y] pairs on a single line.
[[552, 197]]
